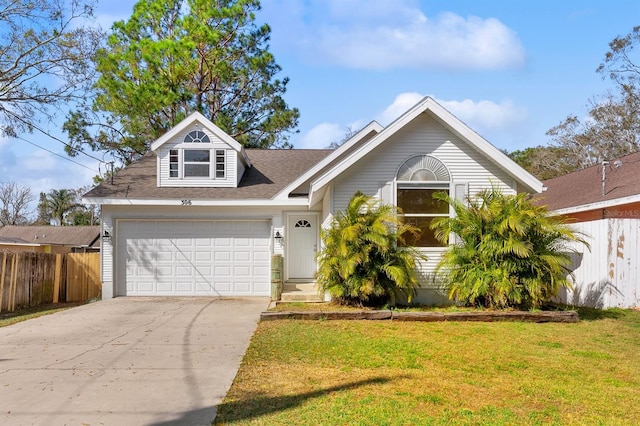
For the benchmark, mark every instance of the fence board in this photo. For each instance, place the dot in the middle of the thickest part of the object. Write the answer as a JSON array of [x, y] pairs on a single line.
[[32, 279], [83, 276]]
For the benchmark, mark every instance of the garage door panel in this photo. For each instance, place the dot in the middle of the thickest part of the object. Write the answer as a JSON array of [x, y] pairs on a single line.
[[197, 258]]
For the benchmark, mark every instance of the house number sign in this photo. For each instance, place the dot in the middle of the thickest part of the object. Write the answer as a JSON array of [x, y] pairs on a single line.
[[186, 202]]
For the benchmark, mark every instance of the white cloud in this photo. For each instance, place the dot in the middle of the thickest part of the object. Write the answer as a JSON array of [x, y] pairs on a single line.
[[378, 34], [487, 115], [321, 136], [399, 106], [481, 115]]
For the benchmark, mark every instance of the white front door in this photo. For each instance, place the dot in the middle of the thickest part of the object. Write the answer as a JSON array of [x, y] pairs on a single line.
[[302, 243]]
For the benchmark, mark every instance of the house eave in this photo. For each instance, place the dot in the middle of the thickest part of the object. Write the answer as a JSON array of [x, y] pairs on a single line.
[[598, 205], [301, 201]]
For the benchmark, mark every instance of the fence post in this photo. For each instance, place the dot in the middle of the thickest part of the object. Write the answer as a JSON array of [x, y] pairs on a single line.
[[2, 274], [57, 277]]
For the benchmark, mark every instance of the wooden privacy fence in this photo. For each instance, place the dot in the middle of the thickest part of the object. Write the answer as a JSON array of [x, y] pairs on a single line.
[[32, 279]]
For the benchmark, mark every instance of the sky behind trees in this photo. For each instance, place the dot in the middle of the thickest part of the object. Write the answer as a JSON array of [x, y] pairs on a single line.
[[510, 70]]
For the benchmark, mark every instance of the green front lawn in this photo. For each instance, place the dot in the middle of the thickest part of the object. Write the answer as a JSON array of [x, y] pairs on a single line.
[[23, 314], [402, 373]]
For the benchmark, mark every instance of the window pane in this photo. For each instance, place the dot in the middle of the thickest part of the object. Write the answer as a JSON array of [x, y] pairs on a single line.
[[196, 170], [421, 201], [196, 155], [427, 235]]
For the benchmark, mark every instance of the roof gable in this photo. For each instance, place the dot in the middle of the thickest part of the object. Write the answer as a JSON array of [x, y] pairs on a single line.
[[361, 137], [466, 134], [197, 118]]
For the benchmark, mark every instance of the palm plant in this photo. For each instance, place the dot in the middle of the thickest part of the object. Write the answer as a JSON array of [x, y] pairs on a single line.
[[59, 202], [508, 252], [361, 262]]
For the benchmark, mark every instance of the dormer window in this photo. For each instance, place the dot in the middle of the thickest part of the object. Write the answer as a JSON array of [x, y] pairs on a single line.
[[193, 160]]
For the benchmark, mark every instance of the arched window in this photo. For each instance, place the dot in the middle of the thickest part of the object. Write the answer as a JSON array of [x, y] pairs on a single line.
[[196, 136], [417, 180]]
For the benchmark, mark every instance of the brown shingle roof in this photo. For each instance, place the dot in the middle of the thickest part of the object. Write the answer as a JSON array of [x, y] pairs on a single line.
[[585, 186], [62, 235], [272, 170]]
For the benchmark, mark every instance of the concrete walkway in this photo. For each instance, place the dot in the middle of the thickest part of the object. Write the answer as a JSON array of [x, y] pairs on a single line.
[[125, 361]]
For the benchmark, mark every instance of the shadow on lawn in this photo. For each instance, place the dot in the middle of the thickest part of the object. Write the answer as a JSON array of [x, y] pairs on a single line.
[[256, 405]]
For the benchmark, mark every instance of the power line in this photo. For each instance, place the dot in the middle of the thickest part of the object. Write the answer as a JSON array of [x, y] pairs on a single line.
[[61, 156]]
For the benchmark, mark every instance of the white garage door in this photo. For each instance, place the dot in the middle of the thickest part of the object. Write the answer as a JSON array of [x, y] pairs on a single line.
[[218, 258]]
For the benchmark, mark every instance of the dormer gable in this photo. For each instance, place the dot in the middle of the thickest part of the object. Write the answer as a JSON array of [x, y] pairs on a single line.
[[197, 153]]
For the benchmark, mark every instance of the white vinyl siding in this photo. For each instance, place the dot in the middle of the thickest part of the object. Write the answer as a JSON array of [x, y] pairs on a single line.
[[374, 175], [230, 179], [423, 135]]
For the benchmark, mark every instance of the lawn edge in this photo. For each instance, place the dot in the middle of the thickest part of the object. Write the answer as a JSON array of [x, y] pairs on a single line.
[[516, 316]]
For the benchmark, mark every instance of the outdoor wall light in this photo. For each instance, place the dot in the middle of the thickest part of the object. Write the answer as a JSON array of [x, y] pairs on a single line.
[[278, 236], [106, 236]]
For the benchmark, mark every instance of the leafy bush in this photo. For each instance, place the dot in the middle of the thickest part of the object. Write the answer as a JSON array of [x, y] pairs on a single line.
[[508, 252], [360, 262]]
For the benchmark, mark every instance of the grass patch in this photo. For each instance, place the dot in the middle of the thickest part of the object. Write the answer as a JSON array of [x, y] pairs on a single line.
[[405, 373], [23, 314]]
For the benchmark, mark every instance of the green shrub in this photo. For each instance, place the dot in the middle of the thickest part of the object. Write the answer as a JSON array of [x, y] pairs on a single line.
[[508, 252], [361, 262]]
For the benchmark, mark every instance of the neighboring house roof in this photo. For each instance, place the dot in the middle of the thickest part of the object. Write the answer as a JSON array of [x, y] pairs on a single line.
[[582, 190], [272, 170], [78, 236], [429, 106], [7, 240]]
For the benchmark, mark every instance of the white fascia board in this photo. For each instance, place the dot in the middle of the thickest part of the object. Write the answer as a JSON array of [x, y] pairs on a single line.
[[373, 143], [205, 122], [316, 196], [487, 149], [374, 126], [475, 140], [599, 205], [302, 201]]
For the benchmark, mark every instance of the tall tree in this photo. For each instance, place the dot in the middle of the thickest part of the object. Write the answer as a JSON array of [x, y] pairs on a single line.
[[611, 129], [60, 202], [174, 57], [612, 125], [45, 59], [14, 204], [44, 214]]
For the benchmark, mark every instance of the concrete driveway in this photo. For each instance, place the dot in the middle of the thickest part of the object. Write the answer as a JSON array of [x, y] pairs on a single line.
[[125, 361]]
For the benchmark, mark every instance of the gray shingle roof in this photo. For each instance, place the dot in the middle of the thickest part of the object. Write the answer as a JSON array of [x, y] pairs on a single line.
[[62, 235], [585, 186], [272, 170]]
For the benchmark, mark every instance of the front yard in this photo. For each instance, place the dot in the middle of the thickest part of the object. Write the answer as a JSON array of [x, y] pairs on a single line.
[[403, 373]]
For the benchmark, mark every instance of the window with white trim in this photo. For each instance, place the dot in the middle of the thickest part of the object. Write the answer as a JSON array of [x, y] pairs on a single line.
[[196, 136], [220, 163], [417, 180], [174, 163], [196, 163], [194, 160]]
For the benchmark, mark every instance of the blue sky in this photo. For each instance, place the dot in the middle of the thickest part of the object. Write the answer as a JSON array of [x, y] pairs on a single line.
[[509, 69]]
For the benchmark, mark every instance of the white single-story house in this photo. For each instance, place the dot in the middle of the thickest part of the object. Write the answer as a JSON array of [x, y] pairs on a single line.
[[603, 202], [201, 215]]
